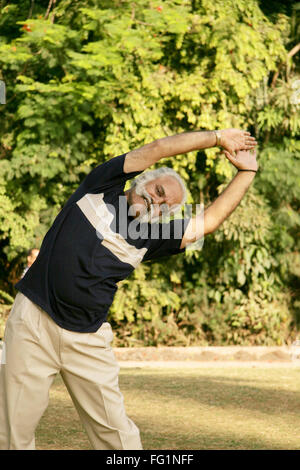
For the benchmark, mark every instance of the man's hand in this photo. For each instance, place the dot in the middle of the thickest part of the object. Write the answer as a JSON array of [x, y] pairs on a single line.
[[244, 160], [234, 140]]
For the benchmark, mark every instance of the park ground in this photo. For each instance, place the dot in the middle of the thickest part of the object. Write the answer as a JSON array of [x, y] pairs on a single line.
[[193, 406]]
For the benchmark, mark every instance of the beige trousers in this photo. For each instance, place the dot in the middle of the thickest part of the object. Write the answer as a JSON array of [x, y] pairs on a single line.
[[35, 350]]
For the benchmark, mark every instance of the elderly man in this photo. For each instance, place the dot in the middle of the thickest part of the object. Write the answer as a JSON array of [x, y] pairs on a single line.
[[58, 320]]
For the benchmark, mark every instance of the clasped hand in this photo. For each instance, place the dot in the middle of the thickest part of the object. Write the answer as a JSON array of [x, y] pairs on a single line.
[[239, 148]]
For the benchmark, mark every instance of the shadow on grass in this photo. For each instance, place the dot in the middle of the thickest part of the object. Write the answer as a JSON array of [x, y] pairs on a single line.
[[214, 391]]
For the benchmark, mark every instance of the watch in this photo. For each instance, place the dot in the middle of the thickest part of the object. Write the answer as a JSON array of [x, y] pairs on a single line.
[[218, 138]]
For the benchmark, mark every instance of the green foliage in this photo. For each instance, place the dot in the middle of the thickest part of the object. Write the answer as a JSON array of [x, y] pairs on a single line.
[[94, 80]]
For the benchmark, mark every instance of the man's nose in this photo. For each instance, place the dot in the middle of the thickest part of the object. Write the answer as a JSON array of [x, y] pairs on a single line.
[[160, 208]]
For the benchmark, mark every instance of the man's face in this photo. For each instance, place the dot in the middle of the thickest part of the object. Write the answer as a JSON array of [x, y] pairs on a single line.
[[151, 199]]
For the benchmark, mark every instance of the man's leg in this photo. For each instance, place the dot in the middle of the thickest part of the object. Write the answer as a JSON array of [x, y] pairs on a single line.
[[90, 372], [29, 365]]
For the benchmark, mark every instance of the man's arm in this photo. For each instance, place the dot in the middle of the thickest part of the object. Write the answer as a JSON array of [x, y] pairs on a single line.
[[226, 203], [230, 139]]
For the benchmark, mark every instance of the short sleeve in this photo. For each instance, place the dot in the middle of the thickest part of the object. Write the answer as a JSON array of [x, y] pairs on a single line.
[[104, 177], [165, 239], [110, 173]]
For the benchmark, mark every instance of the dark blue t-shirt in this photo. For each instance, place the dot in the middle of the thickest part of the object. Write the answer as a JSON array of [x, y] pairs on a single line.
[[91, 246]]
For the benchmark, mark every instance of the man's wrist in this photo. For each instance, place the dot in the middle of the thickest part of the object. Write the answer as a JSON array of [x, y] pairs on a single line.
[[247, 175]]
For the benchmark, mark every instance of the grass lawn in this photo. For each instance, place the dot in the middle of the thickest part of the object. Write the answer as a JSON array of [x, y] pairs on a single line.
[[204, 408]]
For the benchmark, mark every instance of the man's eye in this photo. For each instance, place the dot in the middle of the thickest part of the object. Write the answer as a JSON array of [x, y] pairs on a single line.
[[160, 191]]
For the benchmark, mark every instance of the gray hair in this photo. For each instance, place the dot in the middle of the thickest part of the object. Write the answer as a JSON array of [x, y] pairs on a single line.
[[151, 175]]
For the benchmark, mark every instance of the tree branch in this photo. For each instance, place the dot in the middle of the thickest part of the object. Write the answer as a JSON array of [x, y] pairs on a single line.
[[294, 50], [48, 9], [291, 53], [51, 2], [31, 9]]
